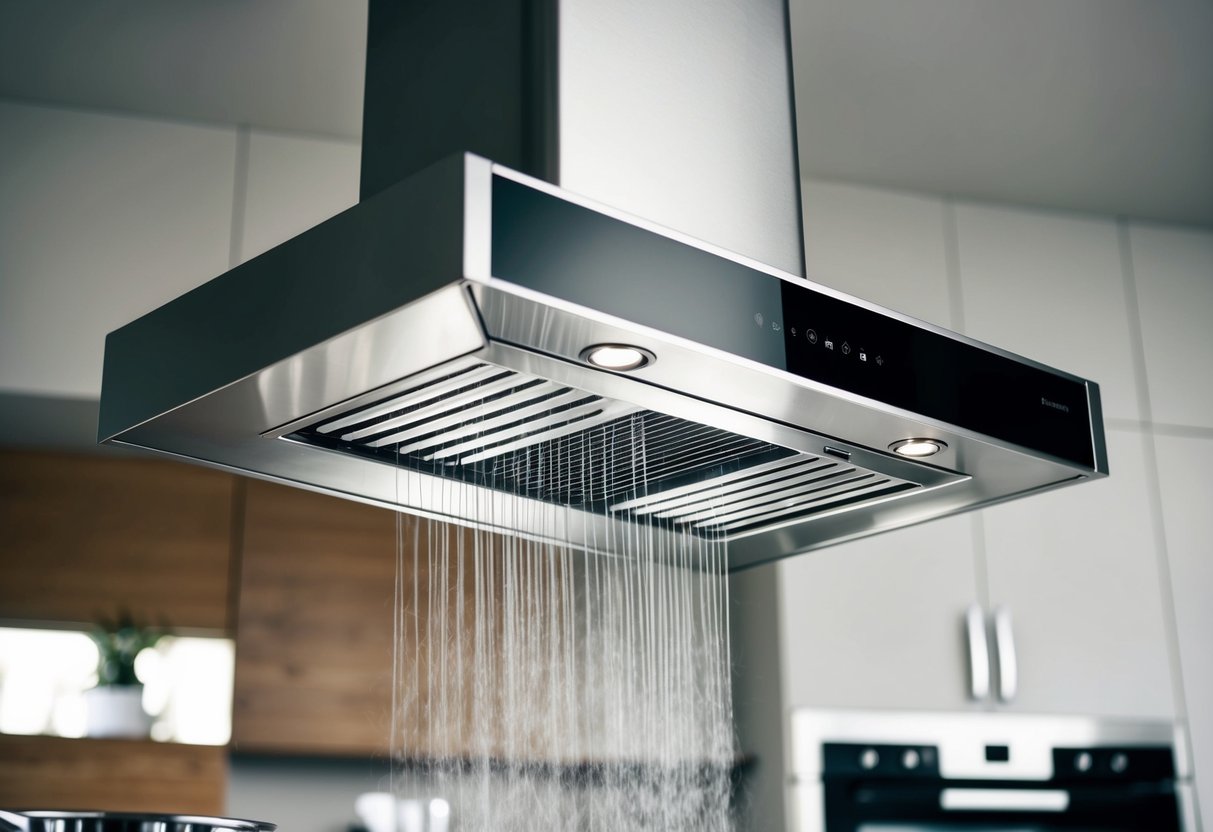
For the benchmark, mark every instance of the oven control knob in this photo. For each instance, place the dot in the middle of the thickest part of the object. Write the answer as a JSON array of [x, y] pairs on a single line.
[[1082, 761], [1119, 762], [869, 759], [910, 759]]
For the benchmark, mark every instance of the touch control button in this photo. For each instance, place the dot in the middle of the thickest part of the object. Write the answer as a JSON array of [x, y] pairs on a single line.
[[811, 335], [1082, 761], [910, 759], [1119, 762], [869, 759]]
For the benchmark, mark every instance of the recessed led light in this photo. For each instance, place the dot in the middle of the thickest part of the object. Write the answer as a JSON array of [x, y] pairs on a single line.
[[617, 356], [918, 447]]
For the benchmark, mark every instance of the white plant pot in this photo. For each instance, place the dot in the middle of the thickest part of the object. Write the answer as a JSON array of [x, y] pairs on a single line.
[[116, 711]]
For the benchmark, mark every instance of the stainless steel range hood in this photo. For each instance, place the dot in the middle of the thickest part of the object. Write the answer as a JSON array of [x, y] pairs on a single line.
[[439, 330]]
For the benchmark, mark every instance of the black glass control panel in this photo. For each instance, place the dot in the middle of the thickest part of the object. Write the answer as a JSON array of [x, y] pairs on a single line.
[[548, 244], [908, 366]]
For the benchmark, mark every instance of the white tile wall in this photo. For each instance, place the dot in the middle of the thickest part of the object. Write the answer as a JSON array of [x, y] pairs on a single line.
[[1050, 287], [293, 183], [1185, 468], [881, 246], [102, 218], [1173, 272]]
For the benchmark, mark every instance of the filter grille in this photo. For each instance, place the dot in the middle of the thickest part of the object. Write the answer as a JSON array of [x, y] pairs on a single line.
[[481, 423]]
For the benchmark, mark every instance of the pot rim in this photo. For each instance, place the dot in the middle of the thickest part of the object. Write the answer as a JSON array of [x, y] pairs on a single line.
[[204, 821]]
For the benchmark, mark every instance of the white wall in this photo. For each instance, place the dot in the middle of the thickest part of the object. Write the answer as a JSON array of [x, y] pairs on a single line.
[[104, 217]]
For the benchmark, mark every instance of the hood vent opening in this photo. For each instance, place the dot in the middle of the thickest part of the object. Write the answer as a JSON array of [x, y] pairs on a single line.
[[477, 422]]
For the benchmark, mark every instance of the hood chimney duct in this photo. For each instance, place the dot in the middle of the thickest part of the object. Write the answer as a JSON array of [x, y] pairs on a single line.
[[678, 112]]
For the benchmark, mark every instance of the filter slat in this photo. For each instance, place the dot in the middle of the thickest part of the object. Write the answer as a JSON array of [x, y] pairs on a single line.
[[610, 411], [853, 497], [714, 482], [524, 435], [804, 470], [458, 400], [791, 505], [778, 492], [418, 382], [527, 433], [518, 408]]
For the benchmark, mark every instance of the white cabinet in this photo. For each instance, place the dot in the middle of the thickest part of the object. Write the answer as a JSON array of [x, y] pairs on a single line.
[[1050, 287], [1077, 571], [1185, 469], [1173, 273], [877, 623], [885, 247]]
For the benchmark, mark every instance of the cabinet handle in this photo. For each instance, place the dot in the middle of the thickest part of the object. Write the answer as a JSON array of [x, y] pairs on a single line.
[[979, 653], [1008, 666]]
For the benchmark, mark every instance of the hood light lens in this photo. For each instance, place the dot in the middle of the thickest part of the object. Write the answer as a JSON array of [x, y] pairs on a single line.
[[918, 447], [617, 356]]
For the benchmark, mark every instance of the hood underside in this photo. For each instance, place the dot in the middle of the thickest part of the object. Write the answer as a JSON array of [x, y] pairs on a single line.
[[434, 334]]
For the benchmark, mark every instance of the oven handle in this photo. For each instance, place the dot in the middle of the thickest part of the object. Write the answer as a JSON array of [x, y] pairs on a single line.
[[1004, 800], [979, 654]]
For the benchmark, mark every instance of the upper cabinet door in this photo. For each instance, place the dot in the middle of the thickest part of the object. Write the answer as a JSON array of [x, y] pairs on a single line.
[[880, 246], [879, 623], [1173, 273], [87, 535], [1050, 287], [1185, 471], [1077, 569]]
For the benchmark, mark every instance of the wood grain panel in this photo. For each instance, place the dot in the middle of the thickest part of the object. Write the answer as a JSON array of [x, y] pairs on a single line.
[[314, 631], [111, 775], [314, 643], [82, 535]]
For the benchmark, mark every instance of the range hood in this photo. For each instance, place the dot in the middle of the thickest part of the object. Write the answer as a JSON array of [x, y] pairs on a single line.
[[448, 326]]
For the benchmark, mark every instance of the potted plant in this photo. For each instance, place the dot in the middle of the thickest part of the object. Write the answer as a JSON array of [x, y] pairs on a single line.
[[115, 706]]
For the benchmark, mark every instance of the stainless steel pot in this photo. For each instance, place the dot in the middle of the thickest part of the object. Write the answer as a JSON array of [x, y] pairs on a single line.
[[49, 821]]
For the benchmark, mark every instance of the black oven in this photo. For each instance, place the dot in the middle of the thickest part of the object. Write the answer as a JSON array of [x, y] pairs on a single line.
[[875, 772]]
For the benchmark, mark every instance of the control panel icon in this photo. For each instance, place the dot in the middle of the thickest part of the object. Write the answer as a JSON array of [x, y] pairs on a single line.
[[829, 344], [863, 356], [811, 335], [846, 348]]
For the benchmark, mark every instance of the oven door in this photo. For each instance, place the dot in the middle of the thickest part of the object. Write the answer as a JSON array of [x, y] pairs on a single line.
[[956, 806]]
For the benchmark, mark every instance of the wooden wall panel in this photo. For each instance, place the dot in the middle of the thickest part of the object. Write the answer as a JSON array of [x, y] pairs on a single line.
[[314, 641], [112, 775], [83, 534], [314, 631]]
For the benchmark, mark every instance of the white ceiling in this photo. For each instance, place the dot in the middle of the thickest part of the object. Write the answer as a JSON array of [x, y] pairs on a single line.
[[1091, 105], [281, 64]]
